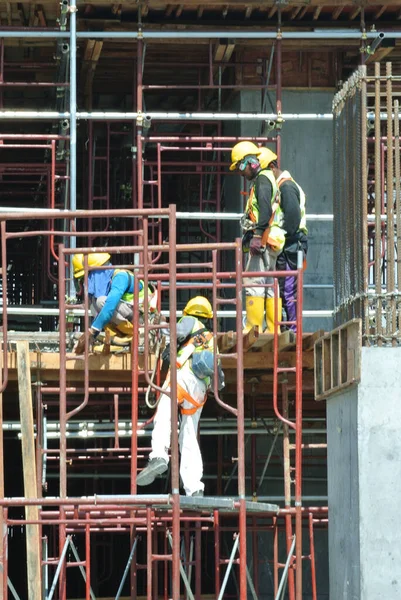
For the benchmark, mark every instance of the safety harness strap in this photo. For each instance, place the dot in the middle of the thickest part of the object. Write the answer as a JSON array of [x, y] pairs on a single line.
[[182, 395]]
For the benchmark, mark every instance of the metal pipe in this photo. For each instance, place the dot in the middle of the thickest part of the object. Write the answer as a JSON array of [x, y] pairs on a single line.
[[126, 570], [59, 566], [240, 419], [182, 571], [186, 35], [298, 431], [45, 115], [7, 211], [73, 126], [174, 406], [80, 312], [75, 553], [281, 588], [228, 570]]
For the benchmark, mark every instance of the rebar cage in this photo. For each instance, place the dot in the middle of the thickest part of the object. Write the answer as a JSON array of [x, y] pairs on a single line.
[[367, 267]]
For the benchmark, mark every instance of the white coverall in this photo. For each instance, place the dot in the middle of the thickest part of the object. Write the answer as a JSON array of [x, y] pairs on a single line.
[[191, 465]]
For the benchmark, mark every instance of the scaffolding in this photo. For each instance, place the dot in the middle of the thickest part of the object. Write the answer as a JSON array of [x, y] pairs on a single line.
[[164, 534]]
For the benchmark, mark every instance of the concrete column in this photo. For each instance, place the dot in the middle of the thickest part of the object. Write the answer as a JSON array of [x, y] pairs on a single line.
[[364, 481]]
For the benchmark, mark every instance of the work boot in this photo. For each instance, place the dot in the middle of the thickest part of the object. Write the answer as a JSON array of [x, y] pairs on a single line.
[[155, 467], [198, 494], [254, 313], [270, 314], [126, 328]]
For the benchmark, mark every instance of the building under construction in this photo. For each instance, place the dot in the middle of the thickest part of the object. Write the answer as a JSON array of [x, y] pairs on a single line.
[[116, 127]]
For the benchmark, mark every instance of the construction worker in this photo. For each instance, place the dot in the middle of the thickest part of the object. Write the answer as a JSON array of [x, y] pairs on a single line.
[[111, 293], [292, 202], [264, 235], [195, 372]]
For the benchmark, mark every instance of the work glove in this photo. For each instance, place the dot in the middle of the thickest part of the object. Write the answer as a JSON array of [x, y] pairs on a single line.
[[166, 356], [80, 347], [255, 246]]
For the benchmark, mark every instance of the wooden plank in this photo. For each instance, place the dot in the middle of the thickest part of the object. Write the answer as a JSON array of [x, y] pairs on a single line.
[[226, 342], [9, 14], [90, 44], [285, 341], [248, 339], [263, 340], [41, 15], [308, 343], [264, 360], [337, 13], [29, 470], [379, 54]]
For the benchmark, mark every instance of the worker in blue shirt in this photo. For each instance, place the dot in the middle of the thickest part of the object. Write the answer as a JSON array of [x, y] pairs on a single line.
[[111, 294]]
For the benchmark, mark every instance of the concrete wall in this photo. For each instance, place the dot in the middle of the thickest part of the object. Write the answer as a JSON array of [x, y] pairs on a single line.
[[364, 469], [307, 154], [342, 466]]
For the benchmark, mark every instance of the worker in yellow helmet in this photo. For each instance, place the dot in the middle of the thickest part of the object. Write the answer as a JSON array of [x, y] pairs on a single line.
[[111, 293], [264, 234], [292, 205], [195, 372]]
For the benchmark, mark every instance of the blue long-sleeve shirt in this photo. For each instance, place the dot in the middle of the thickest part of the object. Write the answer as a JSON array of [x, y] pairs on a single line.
[[121, 284]]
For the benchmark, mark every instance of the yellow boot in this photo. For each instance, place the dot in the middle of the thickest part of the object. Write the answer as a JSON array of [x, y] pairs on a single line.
[[270, 313], [126, 328], [254, 313]]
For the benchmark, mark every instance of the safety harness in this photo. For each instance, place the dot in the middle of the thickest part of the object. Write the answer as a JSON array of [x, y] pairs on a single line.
[[199, 339]]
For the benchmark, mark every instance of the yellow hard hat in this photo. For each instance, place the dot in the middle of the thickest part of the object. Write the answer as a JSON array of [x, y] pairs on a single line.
[[97, 259], [241, 150], [199, 307], [266, 156]]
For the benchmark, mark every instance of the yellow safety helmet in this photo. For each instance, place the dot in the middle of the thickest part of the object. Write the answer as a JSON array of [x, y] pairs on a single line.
[[266, 156], [198, 307], [241, 150], [97, 259]]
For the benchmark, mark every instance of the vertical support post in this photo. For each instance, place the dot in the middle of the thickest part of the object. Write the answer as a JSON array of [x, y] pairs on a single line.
[[73, 127], [391, 325], [198, 559], [63, 412], [312, 557], [149, 553], [134, 421], [1, 70], [3, 528], [240, 422], [174, 406], [275, 554], [287, 486], [278, 82], [33, 547], [88, 590], [298, 432], [397, 189], [364, 188], [139, 122], [378, 199], [255, 549], [216, 519]]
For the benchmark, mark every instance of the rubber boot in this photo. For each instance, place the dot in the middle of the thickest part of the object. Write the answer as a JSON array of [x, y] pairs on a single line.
[[126, 328], [270, 314], [254, 313]]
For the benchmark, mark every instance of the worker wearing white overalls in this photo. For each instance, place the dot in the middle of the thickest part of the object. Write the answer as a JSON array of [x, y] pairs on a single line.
[[194, 379]]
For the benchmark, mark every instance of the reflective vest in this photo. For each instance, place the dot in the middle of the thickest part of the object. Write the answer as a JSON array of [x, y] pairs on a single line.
[[285, 176], [129, 296], [274, 234]]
